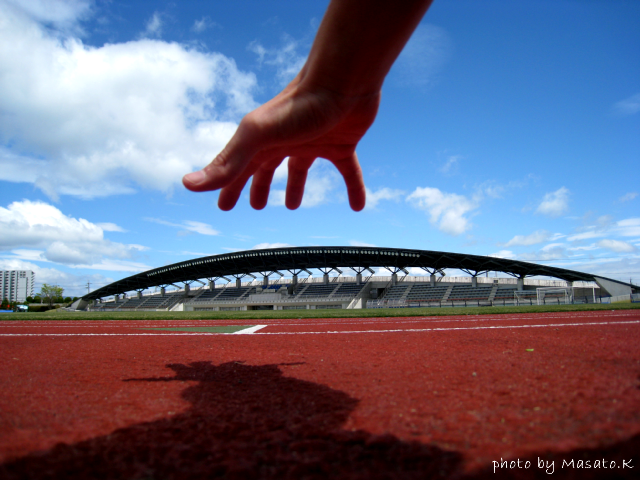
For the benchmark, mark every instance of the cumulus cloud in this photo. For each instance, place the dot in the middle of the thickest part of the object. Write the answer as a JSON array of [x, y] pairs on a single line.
[[89, 121], [74, 285], [448, 211], [555, 203], [62, 14], [538, 236], [373, 198], [617, 246], [59, 238], [628, 106]]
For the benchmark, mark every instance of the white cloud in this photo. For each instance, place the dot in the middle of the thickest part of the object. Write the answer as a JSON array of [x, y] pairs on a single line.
[[204, 23], [62, 239], [503, 254], [628, 197], [592, 233], [263, 246], [322, 181], [617, 246], [629, 227], [187, 226], [373, 198], [451, 164], [628, 106], [153, 27], [423, 56], [357, 243], [446, 210], [552, 251], [110, 227], [74, 285], [89, 122], [63, 14], [538, 236], [555, 203], [286, 59]]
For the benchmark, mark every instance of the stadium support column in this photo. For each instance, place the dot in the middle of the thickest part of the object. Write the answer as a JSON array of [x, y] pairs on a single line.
[[163, 291], [294, 279], [325, 278], [265, 281], [139, 294], [238, 282], [520, 284], [432, 279], [359, 271], [394, 278], [474, 281]]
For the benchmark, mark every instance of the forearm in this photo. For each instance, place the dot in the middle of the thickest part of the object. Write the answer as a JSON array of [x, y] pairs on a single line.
[[358, 41]]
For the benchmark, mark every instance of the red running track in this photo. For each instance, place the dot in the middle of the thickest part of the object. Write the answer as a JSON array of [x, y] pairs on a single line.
[[318, 398]]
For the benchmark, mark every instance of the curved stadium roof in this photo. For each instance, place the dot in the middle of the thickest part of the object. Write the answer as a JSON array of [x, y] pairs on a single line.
[[298, 259]]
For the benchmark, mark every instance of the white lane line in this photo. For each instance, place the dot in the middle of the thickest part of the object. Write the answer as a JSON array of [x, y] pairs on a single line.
[[249, 330], [452, 328], [412, 330]]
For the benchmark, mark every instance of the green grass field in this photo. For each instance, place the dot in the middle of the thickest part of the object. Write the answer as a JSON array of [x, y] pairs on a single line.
[[266, 314]]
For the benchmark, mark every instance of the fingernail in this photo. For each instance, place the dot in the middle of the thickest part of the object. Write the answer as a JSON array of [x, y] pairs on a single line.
[[196, 178]]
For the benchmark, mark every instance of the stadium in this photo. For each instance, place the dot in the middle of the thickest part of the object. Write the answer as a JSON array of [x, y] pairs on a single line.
[[195, 285]]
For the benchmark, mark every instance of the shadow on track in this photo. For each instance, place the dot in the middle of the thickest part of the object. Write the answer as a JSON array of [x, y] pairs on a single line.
[[251, 422]]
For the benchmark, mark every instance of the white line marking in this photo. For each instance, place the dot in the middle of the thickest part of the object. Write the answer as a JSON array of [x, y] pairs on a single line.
[[413, 330], [450, 329], [249, 330]]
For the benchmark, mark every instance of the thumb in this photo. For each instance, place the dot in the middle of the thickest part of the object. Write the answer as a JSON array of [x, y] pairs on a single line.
[[228, 164]]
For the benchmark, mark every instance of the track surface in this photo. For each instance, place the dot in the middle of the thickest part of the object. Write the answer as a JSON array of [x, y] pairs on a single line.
[[352, 398]]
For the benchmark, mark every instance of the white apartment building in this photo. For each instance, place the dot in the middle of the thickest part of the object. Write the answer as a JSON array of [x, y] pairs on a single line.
[[16, 285]]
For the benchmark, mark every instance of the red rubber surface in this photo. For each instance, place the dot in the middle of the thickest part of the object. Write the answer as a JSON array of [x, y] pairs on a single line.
[[375, 398]]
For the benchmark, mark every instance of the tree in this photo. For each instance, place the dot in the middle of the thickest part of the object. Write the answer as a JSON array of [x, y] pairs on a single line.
[[50, 292], [5, 303]]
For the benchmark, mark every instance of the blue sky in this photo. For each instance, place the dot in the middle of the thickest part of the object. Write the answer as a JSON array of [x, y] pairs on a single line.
[[506, 128]]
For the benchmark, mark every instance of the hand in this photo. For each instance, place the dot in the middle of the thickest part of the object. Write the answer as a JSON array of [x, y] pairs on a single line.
[[303, 122]]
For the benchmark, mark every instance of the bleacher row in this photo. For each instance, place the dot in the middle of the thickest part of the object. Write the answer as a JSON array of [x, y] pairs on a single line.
[[420, 292], [402, 292], [233, 294]]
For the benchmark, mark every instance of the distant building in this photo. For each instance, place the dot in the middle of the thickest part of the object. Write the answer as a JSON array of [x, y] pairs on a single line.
[[16, 285]]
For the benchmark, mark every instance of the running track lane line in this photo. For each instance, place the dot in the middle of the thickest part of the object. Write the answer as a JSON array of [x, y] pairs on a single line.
[[413, 330]]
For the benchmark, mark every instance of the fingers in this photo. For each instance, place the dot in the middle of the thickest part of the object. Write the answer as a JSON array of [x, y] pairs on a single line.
[[229, 163], [350, 170], [298, 168], [229, 195], [261, 183]]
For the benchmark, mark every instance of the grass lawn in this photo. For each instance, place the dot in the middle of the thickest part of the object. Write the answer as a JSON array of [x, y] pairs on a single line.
[[328, 313]]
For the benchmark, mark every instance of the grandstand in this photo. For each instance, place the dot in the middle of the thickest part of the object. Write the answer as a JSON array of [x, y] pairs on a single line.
[[331, 288]]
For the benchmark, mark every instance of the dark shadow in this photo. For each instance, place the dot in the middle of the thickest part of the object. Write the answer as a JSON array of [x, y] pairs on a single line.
[[251, 422], [245, 422]]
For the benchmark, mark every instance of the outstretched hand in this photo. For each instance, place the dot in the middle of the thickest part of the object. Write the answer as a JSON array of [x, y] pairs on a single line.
[[303, 122]]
